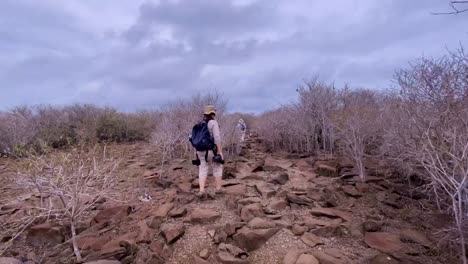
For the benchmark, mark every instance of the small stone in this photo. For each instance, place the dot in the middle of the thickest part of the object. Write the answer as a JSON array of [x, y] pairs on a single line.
[[384, 242], [205, 253], [311, 240], [251, 211], [172, 232], [307, 259], [259, 223], [212, 233], [202, 216], [292, 256], [299, 230], [178, 212]]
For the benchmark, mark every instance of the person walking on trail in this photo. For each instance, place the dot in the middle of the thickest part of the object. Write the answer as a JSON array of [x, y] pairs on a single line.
[[206, 139], [243, 129]]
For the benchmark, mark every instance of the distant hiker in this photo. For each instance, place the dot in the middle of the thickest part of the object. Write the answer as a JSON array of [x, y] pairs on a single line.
[[243, 129], [206, 139]]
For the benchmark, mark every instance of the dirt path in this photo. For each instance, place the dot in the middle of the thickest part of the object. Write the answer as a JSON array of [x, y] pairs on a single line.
[[276, 209]]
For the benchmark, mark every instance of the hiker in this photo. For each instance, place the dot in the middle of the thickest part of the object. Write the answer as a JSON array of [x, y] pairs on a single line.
[[243, 129], [206, 139]]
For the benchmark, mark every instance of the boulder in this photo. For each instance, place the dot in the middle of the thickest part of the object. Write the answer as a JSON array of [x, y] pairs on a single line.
[[112, 215], [238, 189], [178, 212], [200, 215], [5, 260], [156, 222], [231, 227], [163, 210], [311, 240], [299, 230], [220, 237], [299, 199], [351, 191], [116, 248], [283, 224], [172, 232], [384, 242], [256, 177], [162, 250], [415, 237], [273, 168], [184, 187], [274, 217], [292, 255], [252, 239], [146, 234], [307, 259], [328, 199], [329, 231], [312, 222], [46, 234], [326, 170], [266, 190], [362, 187], [280, 178], [283, 163], [278, 204], [260, 223], [229, 254], [249, 200], [258, 166], [251, 211], [92, 242], [205, 253], [324, 258], [329, 212], [109, 251]]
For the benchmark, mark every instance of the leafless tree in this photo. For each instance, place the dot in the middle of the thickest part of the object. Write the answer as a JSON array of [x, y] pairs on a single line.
[[434, 114], [72, 182], [457, 8], [358, 126], [318, 101]]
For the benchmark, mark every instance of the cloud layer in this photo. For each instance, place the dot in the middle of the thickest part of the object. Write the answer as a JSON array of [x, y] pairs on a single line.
[[140, 54]]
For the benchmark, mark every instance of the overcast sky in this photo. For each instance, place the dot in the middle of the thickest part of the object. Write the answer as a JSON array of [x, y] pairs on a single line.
[[139, 54]]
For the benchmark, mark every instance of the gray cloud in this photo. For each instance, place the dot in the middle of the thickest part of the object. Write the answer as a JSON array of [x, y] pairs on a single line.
[[140, 54]]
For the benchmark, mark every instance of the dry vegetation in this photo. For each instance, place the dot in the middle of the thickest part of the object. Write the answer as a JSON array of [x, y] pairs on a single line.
[[418, 130]]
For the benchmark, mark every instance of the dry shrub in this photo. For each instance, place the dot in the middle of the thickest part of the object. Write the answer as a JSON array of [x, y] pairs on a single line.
[[419, 129], [170, 136], [68, 184], [358, 126], [431, 128], [37, 129]]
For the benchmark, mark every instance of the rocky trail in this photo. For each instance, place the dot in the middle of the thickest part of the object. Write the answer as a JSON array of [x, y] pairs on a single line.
[[276, 208]]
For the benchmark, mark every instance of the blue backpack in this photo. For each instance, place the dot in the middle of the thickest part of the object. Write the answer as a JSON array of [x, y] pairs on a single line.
[[201, 138]]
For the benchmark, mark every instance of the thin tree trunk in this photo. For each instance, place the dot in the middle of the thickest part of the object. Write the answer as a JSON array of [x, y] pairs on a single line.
[[459, 219], [76, 250]]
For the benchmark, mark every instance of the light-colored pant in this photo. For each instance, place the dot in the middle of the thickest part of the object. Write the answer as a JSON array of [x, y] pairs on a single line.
[[242, 136], [206, 165]]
